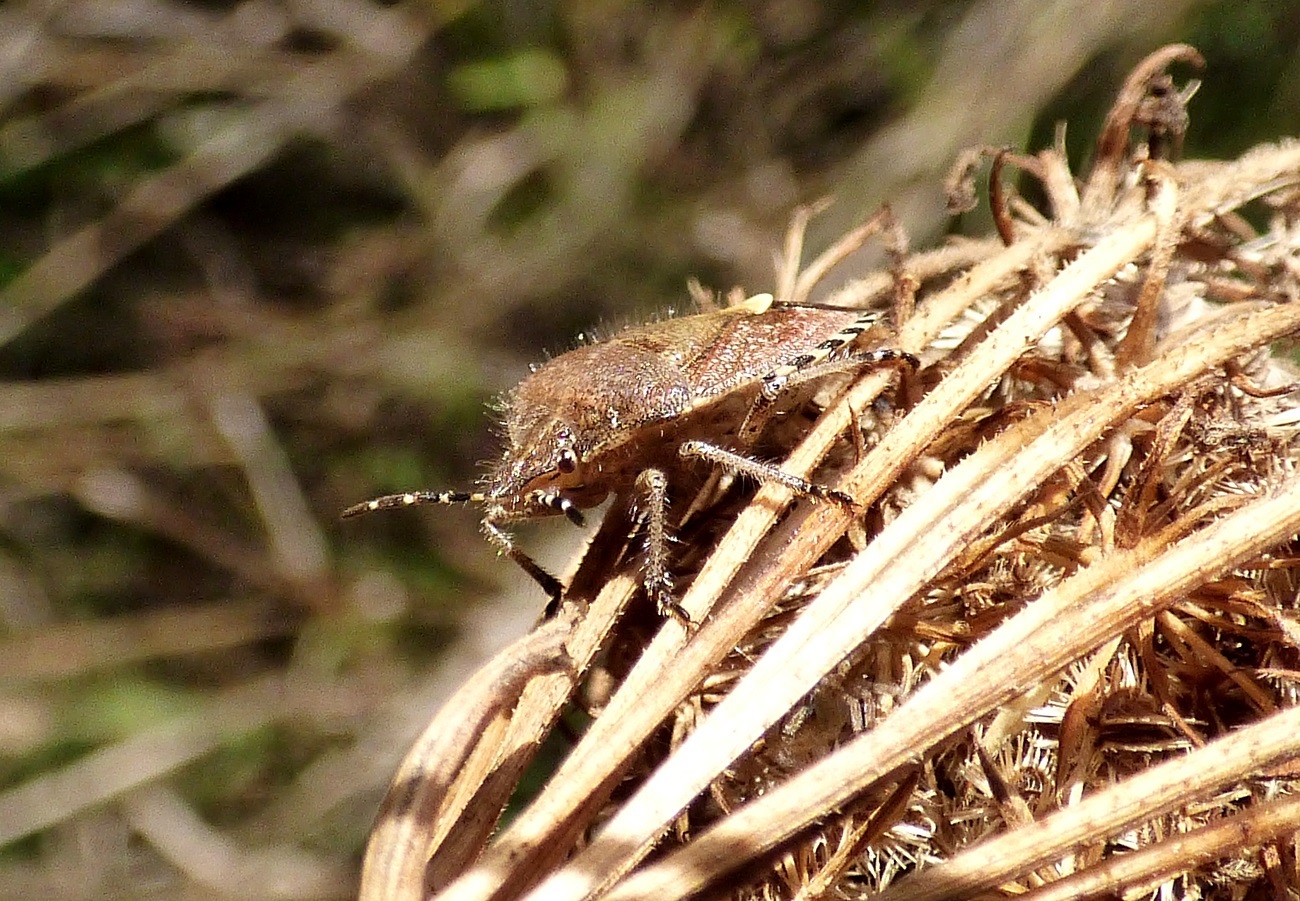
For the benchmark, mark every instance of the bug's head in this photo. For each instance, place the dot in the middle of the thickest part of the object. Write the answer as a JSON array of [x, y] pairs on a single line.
[[561, 421], [543, 469]]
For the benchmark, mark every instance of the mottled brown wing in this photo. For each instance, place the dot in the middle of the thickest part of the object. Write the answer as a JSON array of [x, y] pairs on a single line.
[[746, 348]]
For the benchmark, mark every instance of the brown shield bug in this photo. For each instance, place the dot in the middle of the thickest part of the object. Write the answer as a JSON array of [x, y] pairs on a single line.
[[626, 415]]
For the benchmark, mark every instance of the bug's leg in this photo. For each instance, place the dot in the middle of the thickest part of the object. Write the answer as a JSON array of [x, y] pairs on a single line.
[[817, 362], [760, 414], [764, 406], [760, 471], [491, 528], [553, 587], [866, 359], [652, 485]]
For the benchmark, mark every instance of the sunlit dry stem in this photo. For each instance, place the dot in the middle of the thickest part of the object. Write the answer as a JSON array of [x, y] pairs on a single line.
[[998, 200], [1260, 824], [1192, 647], [1112, 145], [1246, 385], [1252, 749], [837, 252], [866, 828], [968, 496], [484, 790], [787, 268], [1139, 341], [399, 847], [1140, 493], [1099, 602], [906, 283]]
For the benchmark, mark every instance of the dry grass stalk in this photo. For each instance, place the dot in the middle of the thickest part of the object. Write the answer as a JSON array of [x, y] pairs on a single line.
[[1067, 617], [447, 744]]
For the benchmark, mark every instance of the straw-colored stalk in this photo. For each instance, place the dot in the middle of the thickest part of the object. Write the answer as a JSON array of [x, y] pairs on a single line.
[[1063, 628]]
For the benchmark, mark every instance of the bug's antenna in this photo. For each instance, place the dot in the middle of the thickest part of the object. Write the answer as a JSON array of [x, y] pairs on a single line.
[[413, 499], [562, 504]]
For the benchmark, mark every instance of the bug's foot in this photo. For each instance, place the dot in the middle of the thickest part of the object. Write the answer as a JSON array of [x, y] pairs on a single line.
[[670, 608], [552, 607], [661, 589], [841, 497], [825, 492]]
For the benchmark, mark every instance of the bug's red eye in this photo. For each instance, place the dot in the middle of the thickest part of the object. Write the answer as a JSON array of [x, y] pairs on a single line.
[[568, 461]]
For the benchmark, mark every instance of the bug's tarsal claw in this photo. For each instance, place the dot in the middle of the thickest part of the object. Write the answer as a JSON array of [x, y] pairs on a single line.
[[660, 587], [842, 497], [669, 607]]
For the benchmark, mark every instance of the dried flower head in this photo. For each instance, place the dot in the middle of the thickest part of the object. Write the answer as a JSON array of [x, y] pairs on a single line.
[[1055, 646]]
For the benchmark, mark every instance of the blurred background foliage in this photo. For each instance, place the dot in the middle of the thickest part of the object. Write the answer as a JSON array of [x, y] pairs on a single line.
[[260, 260]]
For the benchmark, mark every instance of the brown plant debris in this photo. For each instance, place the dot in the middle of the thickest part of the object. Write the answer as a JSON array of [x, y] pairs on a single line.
[[1054, 645]]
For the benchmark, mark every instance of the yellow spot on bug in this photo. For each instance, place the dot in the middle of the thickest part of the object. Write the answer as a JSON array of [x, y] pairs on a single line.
[[759, 303]]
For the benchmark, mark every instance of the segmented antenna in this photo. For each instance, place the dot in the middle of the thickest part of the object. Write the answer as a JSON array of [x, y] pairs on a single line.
[[414, 499]]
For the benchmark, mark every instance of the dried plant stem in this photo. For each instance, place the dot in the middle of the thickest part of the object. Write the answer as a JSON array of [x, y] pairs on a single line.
[[1112, 145], [671, 667], [923, 265], [1254, 748], [490, 785], [826, 633], [787, 270], [995, 355], [487, 781], [400, 845], [1139, 341], [837, 253], [852, 843], [1097, 603], [1255, 826]]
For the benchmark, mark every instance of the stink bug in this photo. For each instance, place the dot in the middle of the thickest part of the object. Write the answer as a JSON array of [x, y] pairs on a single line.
[[625, 416]]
